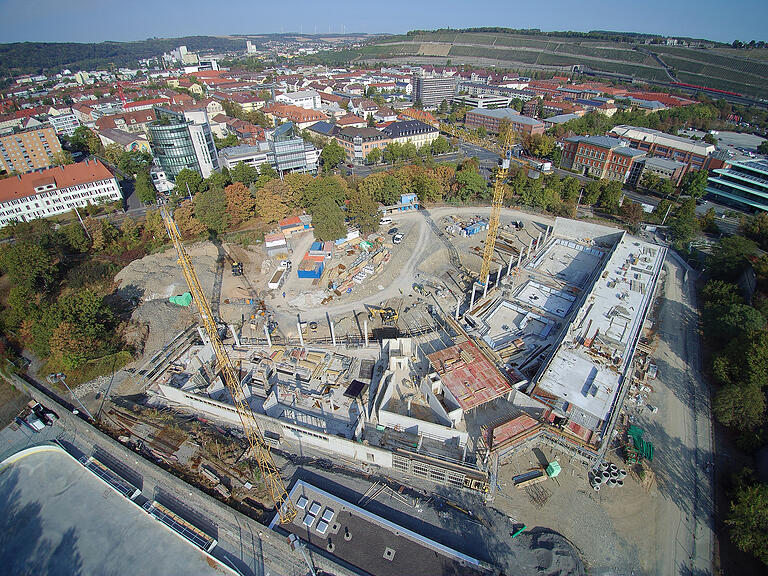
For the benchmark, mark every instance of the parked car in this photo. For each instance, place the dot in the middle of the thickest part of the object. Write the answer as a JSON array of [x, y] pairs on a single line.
[[397, 238], [392, 231], [385, 221]]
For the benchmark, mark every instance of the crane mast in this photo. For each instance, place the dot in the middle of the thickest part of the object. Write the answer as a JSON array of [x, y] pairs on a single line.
[[260, 450]]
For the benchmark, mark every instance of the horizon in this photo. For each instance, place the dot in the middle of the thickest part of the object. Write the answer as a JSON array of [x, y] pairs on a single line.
[[87, 21]]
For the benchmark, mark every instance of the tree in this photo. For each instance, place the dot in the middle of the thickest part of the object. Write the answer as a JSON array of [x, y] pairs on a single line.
[[28, 265], [469, 184], [729, 258], [592, 192], [270, 201], [540, 145], [710, 139], [228, 141], [440, 146], [240, 204], [135, 161], [218, 180], [382, 187], [370, 121], [610, 197], [332, 155], [333, 188], [763, 147], [84, 139], [244, 174], [327, 219], [426, 187], [129, 233], [694, 183], [69, 347], [62, 158], [569, 191], [374, 156], [188, 224], [684, 225], [631, 213], [154, 225], [144, 188], [211, 209], [113, 152], [187, 182], [748, 520], [75, 238], [363, 211]]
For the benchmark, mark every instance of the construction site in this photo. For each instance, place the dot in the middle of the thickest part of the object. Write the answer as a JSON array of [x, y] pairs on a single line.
[[389, 357]]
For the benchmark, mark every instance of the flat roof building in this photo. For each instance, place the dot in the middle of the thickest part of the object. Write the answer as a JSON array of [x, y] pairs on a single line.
[[432, 90], [28, 150], [491, 120], [741, 184], [657, 143]]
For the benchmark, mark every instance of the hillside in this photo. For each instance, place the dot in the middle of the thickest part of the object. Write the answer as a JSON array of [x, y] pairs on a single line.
[[718, 66]]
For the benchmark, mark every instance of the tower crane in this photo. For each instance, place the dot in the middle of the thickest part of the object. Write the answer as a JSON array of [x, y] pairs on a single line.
[[260, 450], [504, 149]]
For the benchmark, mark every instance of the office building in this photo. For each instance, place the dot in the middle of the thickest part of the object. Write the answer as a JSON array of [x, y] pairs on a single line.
[[250, 155], [603, 157], [56, 190], [308, 99], [432, 90], [491, 120], [289, 151], [657, 143], [741, 184], [483, 101], [664, 168], [358, 142], [183, 140], [27, 150]]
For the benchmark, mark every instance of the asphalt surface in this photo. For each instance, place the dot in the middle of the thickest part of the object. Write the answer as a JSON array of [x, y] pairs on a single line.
[[681, 432]]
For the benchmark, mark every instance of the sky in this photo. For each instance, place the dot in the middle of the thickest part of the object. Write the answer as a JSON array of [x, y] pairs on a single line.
[[125, 20]]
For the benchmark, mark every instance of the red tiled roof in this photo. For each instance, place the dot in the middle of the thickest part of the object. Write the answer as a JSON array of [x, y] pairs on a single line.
[[63, 176], [151, 102]]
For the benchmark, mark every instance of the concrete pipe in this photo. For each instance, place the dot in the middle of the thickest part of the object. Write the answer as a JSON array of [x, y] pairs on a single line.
[[606, 474], [611, 482], [596, 487], [614, 474], [622, 473], [619, 483], [598, 480], [614, 467]]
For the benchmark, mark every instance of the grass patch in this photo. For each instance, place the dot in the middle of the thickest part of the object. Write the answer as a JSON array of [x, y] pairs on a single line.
[[11, 402], [91, 369]]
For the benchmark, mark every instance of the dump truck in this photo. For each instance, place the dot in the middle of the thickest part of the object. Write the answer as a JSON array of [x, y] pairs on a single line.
[[277, 279]]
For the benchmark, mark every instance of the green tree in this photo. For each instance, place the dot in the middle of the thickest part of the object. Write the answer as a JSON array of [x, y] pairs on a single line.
[[84, 139], [333, 188], [244, 174], [730, 256], [363, 211], [684, 225], [135, 161], [440, 146], [28, 265], [569, 192], [62, 158], [631, 213], [75, 238], [227, 142], [382, 187], [739, 406], [211, 209], [332, 155], [748, 519], [694, 183], [187, 182], [374, 156], [710, 139], [762, 148], [219, 180], [144, 188], [426, 187], [469, 185], [610, 197], [327, 219], [592, 192], [369, 120], [113, 152]]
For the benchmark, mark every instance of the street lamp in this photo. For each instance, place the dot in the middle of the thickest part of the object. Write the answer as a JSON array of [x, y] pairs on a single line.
[[61, 377]]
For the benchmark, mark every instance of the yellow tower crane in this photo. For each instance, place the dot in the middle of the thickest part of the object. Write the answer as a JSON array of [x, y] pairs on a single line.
[[504, 149], [260, 450]]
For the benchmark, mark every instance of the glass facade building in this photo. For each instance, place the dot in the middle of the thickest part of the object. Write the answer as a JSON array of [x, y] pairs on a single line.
[[178, 143], [742, 184], [288, 150]]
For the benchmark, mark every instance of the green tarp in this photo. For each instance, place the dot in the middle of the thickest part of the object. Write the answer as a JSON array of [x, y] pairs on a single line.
[[553, 469], [183, 300], [641, 445]]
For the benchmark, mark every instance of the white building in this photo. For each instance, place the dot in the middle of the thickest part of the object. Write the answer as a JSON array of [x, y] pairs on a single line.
[[308, 99], [56, 190], [65, 123]]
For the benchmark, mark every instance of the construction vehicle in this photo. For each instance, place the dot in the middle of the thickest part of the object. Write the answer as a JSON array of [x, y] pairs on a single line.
[[258, 447], [505, 151], [388, 315], [237, 268]]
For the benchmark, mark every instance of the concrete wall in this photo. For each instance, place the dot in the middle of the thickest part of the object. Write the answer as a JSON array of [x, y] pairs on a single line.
[[577, 229]]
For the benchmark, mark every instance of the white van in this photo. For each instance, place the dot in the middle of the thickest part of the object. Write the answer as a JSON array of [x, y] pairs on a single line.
[[385, 220]]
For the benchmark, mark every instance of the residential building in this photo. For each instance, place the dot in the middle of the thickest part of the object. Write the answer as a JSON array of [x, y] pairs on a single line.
[[418, 133], [741, 184], [351, 121], [363, 107], [28, 150], [308, 99], [603, 157], [657, 143], [300, 117], [323, 129], [476, 89], [129, 142], [432, 90], [65, 123], [56, 190], [358, 142], [664, 168], [146, 104], [491, 120], [559, 119], [183, 140], [133, 122]]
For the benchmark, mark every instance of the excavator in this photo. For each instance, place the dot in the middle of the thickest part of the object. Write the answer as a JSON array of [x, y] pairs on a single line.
[[389, 316]]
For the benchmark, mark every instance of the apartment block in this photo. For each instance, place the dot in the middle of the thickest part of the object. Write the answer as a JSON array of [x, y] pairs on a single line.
[[55, 191], [432, 90], [358, 142], [28, 150], [491, 120]]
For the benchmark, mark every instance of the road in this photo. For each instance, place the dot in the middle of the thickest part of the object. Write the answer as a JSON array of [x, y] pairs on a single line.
[[243, 542], [681, 432]]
